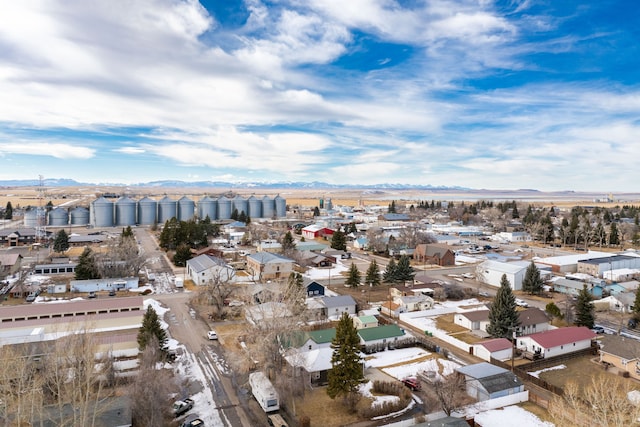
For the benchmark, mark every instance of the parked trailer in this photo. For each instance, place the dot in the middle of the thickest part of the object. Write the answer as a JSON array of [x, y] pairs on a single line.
[[179, 282], [264, 392]]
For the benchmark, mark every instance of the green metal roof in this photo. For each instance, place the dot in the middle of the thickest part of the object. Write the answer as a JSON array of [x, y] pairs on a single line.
[[368, 319], [380, 332], [323, 335]]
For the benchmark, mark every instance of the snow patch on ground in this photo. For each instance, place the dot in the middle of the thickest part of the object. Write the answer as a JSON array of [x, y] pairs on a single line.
[[553, 368], [510, 416]]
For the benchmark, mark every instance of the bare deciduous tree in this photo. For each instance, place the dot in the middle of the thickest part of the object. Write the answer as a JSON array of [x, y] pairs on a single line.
[[122, 259], [450, 393], [217, 290]]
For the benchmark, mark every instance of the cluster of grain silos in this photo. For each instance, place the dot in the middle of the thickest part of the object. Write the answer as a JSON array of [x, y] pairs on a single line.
[[146, 211]]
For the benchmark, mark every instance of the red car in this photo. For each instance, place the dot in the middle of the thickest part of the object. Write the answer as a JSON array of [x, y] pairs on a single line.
[[412, 383]]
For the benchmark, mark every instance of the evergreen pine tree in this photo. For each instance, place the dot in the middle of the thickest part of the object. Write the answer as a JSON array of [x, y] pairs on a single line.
[[353, 280], [404, 271], [61, 242], [614, 234], [372, 277], [346, 364], [288, 243], [585, 311], [151, 327], [316, 211], [635, 308], [8, 211], [87, 267], [182, 255], [389, 275], [339, 241], [127, 232], [503, 316], [532, 282]]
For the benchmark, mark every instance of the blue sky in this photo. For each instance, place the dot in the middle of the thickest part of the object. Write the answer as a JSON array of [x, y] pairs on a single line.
[[480, 94]]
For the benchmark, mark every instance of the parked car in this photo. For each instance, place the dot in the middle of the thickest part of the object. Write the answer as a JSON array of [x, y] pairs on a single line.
[[182, 406], [632, 323], [483, 294], [521, 302], [212, 335], [193, 423], [112, 293], [92, 294], [412, 383], [598, 329]]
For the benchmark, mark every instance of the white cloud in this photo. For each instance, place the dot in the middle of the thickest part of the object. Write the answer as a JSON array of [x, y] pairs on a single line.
[[50, 149]]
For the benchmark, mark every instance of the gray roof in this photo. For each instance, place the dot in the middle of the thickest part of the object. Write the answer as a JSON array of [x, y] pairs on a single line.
[[614, 258], [205, 262], [616, 345], [338, 301], [481, 370], [267, 257], [499, 382]]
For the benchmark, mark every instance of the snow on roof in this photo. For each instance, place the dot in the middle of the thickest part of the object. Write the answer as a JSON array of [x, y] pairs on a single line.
[[504, 267]]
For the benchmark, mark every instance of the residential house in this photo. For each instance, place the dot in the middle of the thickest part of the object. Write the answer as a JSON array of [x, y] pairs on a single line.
[[622, 302], [496, 348], [363, 322], [265, 266], [269, 246], [315, 289], [205, 269], [259, 313], [335, 306], [573, 287], [416, 302], [360, 243], [434, 253], [485, 381], [310, 246], [556, 342], [490, 272], [381, 337], [311, 352], [314, 259], [473, 320], [531, 321], [9, 264], [391, 308], [621, 352]]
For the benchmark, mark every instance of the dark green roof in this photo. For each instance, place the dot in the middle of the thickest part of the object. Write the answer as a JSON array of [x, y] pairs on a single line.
[[380, 332], [323, 335]]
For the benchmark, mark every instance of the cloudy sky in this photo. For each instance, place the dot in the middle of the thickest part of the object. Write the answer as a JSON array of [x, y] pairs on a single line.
[[473, 93]]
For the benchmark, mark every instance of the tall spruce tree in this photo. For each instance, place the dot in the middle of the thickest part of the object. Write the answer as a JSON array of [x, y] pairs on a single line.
[[635, 308], [151, 327], [503, 316], [532, 282], [372, 277], [8, 211], [288, 243], [404, 271], [346, 364], [353, 280], [585, 311], [389, 275], [339, 240], [61, 242], [87, 267]]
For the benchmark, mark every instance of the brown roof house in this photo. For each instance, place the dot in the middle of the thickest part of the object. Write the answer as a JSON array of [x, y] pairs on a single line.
[[434, 253], [9, 264], [532, 320], [622, 353]]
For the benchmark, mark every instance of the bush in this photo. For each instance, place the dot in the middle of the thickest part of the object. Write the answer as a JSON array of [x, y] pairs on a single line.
[[304, 421], [389, 388]]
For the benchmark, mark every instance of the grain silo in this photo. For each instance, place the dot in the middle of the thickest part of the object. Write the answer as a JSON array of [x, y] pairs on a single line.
[[281, 207], [34, 217], [268, 207], [125, 212], [207, 207], [255, 207], [79, 216], [58, 217], [224, 208], [240, 205], [102, 212], [186, 209], [167, 209], [147, 211]]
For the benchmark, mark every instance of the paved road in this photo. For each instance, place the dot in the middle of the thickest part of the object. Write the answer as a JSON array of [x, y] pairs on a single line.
[[184, 326]]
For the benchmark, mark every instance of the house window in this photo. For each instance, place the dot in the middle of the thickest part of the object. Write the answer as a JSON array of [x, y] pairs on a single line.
[[310, 346], [561, 347]]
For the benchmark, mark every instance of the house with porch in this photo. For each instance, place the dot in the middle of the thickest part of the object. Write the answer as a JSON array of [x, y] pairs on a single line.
[[381, 337], [205, 269], [622, 353], [415, 302], [556, 342], [434, 253]]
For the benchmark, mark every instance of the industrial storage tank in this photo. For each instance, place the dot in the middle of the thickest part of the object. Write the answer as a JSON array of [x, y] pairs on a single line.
[[186, 209], [102, 212], [255, 207], [208, 207], [268, 207], [125, 212], [147, 211], [224, 208], [167, 209], [79, 216], [58, 217], [281, 207], [240, 204], [34, 217]]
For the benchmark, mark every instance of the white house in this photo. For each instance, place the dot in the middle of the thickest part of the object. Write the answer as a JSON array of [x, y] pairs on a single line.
[[416, 302], [490, 272], [473, 320], [205, 268], [267, 265], [556, 342], [363, 322], [385, 335], [497, 348], [335, 306], [531, 321]]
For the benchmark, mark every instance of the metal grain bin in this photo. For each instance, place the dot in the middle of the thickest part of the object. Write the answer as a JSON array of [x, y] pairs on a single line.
[[268, 207], [167, 209], [125, 212], [255, 207], [186, 209], [281, 207], [240, 204], [147, 211], [58, 217], [79, 216], [224, 208], [208, 207], [34, 217], [102, 212]]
